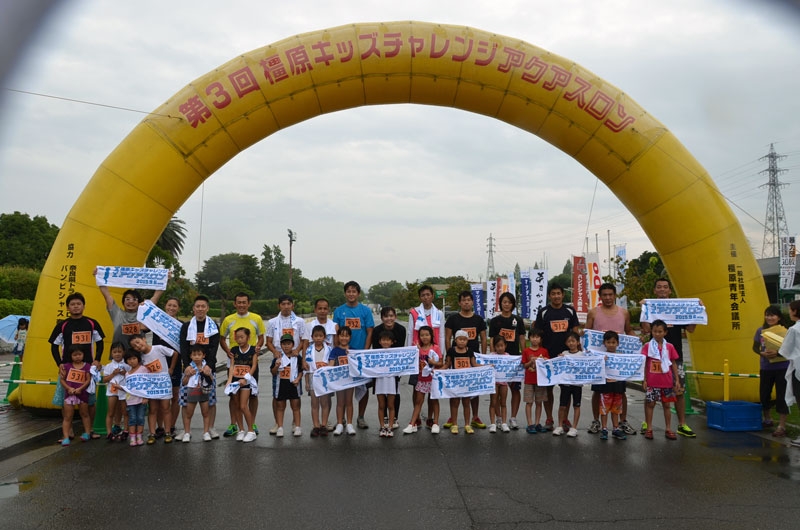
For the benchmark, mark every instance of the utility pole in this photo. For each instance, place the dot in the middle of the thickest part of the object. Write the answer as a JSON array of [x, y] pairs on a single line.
[[292, 239], [775, 222], [490, 264]]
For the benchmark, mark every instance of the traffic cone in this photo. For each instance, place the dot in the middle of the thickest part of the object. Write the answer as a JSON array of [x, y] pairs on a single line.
[[16, 373]]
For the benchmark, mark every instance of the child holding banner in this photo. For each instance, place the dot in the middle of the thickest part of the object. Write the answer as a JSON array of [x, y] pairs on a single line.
[[429, 358], [661, 377], [611, 395], [532, 392], [316, 356], [154, 358], [289, 370], [74, 377], [574, 392], [458, 357], [135, 404], [245, 361], [385, 389], [344, 398], [198, 390], [114, 374], [497, 402]]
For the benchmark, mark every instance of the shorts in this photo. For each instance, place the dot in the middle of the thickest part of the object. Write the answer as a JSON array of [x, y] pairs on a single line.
[[423, 387], [664, 395], [92, 400], [287, 391], [196, 395], [534, 393], [515, 386], [212, 397], [610, 402], [136, 415], [176, 377], [570, 391], [72, 400], [386, 385]]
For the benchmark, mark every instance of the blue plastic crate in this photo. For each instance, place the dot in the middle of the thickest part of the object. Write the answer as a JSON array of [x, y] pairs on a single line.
[[733, 415]]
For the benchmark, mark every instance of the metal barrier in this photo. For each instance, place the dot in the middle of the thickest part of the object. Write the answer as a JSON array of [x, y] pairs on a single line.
[[726, 375]]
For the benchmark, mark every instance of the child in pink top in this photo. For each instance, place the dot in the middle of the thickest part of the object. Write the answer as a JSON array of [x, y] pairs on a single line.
[[75, 378], [661, 377]]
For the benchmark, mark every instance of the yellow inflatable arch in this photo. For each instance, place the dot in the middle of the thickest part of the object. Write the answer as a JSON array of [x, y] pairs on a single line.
[[174, 149]]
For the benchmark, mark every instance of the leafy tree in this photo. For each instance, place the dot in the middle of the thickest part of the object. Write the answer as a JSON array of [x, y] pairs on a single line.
[[168, 248], [326, 287], [639, 276], [26, 241], [214, 278], [381, 293], [18, 283], [184, 291]]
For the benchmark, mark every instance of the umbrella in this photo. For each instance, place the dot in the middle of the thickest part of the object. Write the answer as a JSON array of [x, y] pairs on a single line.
[[8, 326]]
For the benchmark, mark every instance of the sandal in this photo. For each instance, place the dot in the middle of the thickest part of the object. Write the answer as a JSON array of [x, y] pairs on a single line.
[[85, 437], [779, 433], [94, 435], [648, 434], [671, 435]]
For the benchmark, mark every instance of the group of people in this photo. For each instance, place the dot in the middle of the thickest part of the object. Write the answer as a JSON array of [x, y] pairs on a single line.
[[297, 349]]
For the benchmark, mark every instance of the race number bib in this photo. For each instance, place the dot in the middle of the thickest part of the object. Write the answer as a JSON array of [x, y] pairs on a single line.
[[321, 364], [201, 339], [559, 326], [154, 367], [77, 376], [472, 333], [81, 337], [285, 372], [508, 334], [422, 365], [131, 329], [655, 366], [352, 323], [287, 331], [342, 360], [462, 362], [240, 370]]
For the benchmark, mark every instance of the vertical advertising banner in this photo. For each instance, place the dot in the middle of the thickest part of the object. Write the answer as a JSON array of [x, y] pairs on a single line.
[[538, 291], [525, 294], [580, 292], [620, 253], [512, 288], [478, 298], [788, 261], [491, 299], [594, 279]]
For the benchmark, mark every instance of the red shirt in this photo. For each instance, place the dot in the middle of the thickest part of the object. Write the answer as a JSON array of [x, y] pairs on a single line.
[[527, 355]]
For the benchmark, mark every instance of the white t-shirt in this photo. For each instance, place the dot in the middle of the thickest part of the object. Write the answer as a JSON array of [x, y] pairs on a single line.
[[330, 330], [156, 360], [117, 379]]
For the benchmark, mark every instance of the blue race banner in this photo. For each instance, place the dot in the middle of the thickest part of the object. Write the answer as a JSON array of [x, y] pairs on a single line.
[[329, 379], [132, 277], [674, 311], [384, 363], [156, 385], [593, 340], [571, 370], [464, 382], [477, 297], [160, 323], [624, 367], [507, 368], [525, 293]]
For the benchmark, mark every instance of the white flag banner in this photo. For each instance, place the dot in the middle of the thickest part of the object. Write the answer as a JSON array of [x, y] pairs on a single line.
[[623, 367], [674, 311], [132, 277], [464, 382], [571, 370], [507, 368], [330, 379], [538, 291], [384, 362], [593, 340], [156, 385], [491, 298], [160, 323], [788, 260]]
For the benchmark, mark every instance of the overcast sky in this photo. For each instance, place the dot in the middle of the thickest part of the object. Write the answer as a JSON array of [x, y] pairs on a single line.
[[722, 76]]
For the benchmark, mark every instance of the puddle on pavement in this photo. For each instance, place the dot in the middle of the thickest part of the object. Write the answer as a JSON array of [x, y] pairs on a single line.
[[12, 488], [777, 458]]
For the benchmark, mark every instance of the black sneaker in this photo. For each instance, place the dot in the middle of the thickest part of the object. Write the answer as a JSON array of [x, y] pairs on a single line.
[[685, 430], [160, 433]]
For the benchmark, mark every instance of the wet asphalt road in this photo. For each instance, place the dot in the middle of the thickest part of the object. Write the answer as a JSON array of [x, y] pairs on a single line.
[[515, 480]]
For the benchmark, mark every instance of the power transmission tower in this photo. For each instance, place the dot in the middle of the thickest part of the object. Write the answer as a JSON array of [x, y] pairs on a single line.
[[490, 264], [775, 222]]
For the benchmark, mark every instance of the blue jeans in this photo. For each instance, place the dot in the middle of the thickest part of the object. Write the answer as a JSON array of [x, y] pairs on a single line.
[[136, 415]]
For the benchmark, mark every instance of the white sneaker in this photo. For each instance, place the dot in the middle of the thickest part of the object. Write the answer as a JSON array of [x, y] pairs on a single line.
[[206, 437], [186, 438], [338, 430], [214, 433], [279, 432], [350, 429], [435, 428], [249, 437], [504, 427], [493, 428], [273, 430], [558, 431], [573, 432], [297, 432], [411, 429], [240, 436], [796, 442], [513, 424], [395, 425]]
